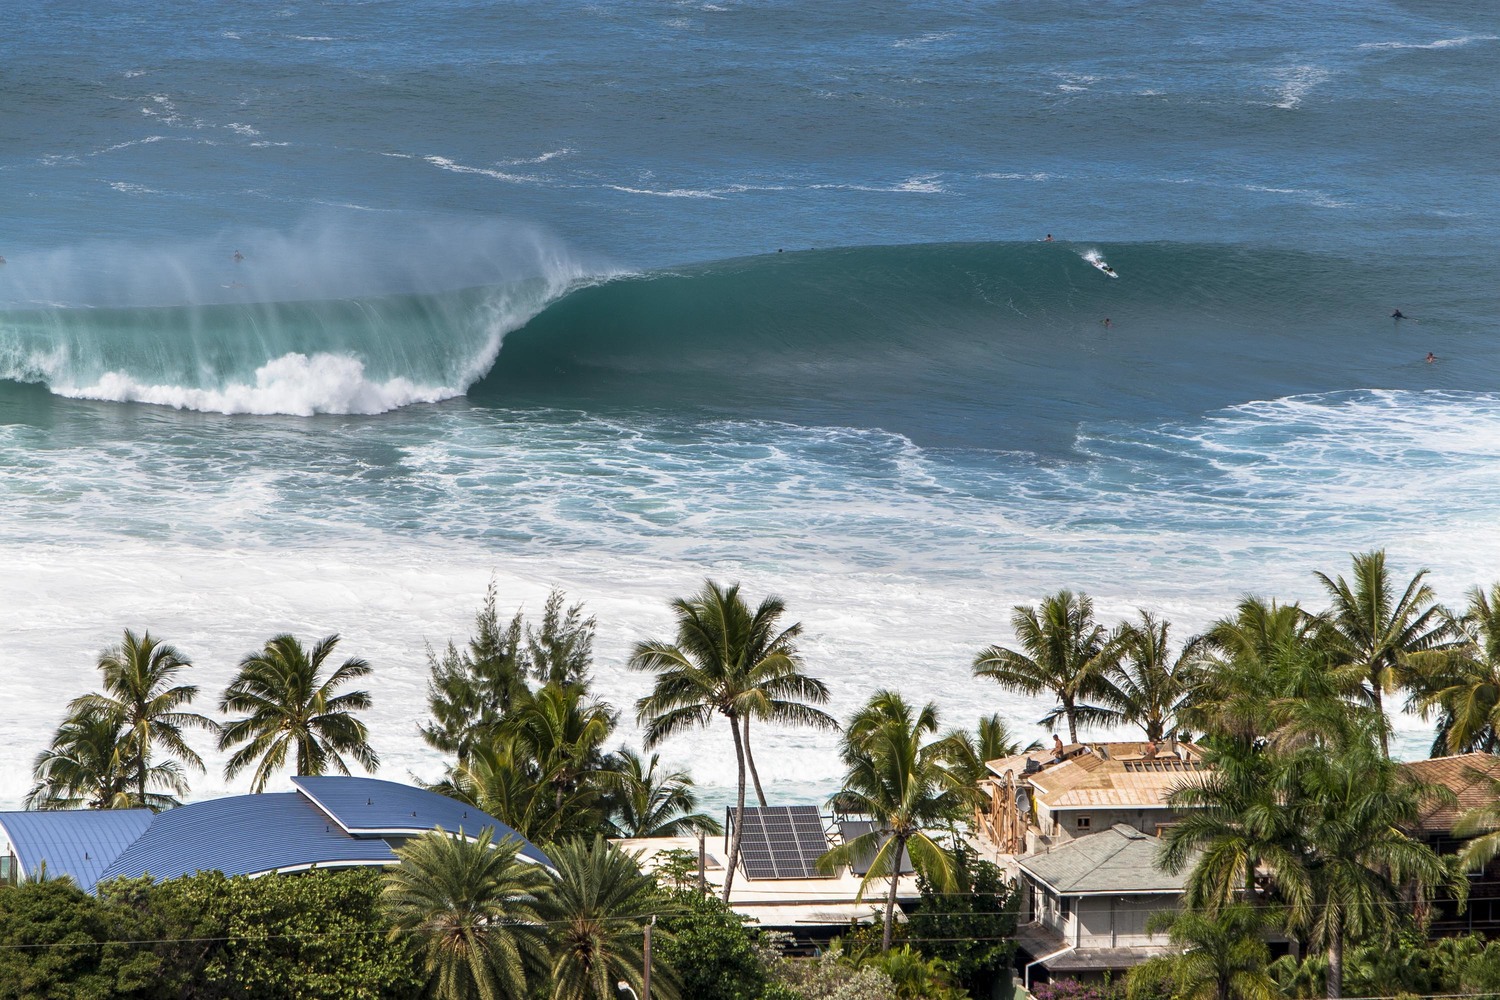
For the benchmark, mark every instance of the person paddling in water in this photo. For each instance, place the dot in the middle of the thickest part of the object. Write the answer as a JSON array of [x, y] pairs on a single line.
[[1048, 239], [1106, 323], [1431, 357]]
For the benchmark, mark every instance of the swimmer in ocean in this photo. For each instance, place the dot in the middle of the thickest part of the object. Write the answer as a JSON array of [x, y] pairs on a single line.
[[1106, 323], [238, 256], [1048, 239], [1431, 357], [1398, 314]]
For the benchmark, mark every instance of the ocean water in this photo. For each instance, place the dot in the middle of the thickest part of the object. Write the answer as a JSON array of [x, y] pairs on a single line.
[[317, 316]]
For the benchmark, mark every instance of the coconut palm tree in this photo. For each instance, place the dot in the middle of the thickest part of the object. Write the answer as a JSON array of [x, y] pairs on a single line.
[[472, 909], [1377, 632], [726, 661], [139, 691], [291, 710], [1322, 819], [1251, 660], [596, 910], [972, 748], [1063, 653], [1358, 870], [901, 780], [86, 768], [1144, 683], [563, 730], [1219, 957], [1462, 684], [654, 802]]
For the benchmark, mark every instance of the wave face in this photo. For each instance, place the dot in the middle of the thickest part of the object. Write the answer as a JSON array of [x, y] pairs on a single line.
[[330, 320], [988, 345]]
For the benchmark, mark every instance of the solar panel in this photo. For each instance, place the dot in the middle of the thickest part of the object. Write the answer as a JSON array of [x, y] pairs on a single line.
[[849, 829], [779, 842]]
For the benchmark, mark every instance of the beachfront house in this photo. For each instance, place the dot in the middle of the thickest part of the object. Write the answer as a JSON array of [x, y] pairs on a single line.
[[1086, 904], [328, 821], [1472, 778], [777, 882], [1037, 800]]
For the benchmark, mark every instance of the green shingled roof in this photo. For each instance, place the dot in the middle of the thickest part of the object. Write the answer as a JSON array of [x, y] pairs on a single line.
[[1120, 859]]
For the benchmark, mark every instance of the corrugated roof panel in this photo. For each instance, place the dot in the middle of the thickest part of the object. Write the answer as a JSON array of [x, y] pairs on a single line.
[[79, 843], [370, 807], [243, 835]]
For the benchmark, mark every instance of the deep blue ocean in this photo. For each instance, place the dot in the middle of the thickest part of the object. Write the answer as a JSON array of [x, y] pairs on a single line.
[[316, 316]]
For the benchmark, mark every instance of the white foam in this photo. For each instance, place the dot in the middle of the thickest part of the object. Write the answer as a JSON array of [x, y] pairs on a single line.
[[669, 193], [444, 163], [125, 187], [294, 384], [877, 546], [1295, 82], [920, 184], [543, 158], [921, 40], [1441, 43]]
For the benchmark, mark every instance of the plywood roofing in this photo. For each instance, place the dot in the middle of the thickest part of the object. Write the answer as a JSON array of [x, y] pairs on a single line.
[[1118, 777]]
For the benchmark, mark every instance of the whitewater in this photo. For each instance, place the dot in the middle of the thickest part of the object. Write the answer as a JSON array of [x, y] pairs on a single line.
[[318, 321]]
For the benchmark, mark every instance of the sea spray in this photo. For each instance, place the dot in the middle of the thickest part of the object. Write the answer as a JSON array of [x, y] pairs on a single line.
[[325, 320]]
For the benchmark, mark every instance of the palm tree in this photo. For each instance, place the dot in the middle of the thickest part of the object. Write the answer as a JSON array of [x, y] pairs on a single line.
[[729, 661], [971, 749], [597, 910], [1244, 669], [86, 768], [1322, 817], [1464, 685], [1065, 655], [139, 691], [564, 731], [288, 709], [1222, 957], [472, 908], [1146, 685], [1359, 870], [1377, 632], [653, 802], [904, 785]]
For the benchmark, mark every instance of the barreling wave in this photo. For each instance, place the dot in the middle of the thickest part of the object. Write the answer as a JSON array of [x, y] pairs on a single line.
[[967, 343], [915, 338]]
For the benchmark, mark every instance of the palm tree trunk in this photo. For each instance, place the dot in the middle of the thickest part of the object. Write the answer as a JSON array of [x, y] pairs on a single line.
[[1385, 750], [1336, 966], [1072, 721], [890, 899], [750, 762], [739, 810]]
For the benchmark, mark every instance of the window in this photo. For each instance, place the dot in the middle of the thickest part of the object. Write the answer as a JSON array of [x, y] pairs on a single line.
[[1083, 822]]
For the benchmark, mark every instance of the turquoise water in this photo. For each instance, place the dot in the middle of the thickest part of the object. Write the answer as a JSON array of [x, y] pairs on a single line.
[[617, 297]]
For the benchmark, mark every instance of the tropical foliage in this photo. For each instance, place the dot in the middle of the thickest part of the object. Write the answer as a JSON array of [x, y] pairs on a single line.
[[291, 709], [732, 662], [899, 776], [1064, 652], [471, 908], [597, 910]]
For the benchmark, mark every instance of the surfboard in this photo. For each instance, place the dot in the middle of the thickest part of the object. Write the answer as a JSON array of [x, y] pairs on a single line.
[[1104, 268]]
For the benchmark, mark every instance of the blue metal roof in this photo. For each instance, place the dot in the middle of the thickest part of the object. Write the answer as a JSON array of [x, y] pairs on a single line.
[[327, 822], [369, 807], [243, 835], [80, 843]]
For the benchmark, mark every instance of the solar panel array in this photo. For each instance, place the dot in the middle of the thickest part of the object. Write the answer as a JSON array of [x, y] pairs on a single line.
[[851, 829], [782, 842]]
